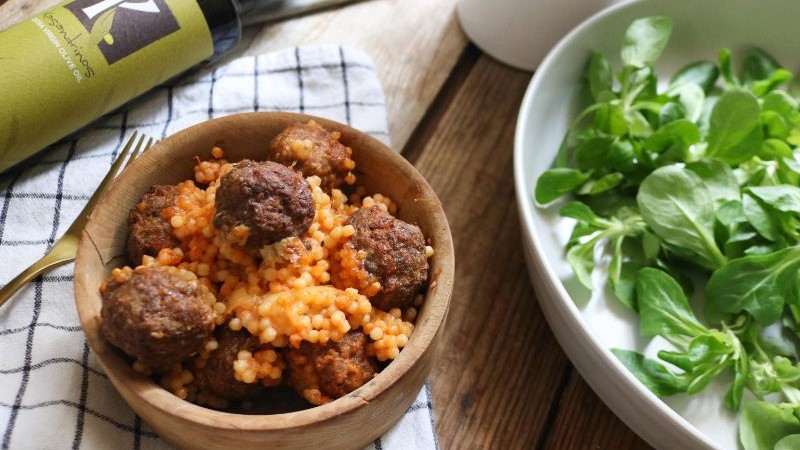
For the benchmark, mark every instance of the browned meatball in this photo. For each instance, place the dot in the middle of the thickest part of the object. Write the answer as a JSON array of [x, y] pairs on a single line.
[[267, 200], [313, 150], [217, 376], [395, 256], [157, 316], [148, 229], [334, 370]]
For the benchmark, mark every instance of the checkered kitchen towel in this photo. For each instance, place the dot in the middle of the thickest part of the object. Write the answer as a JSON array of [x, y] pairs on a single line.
[[53, 393]]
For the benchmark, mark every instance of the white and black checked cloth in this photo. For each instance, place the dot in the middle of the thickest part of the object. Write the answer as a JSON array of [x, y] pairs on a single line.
[[53, 393]]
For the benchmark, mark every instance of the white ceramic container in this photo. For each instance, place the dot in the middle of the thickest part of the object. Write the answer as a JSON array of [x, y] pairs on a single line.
[[588, 324]]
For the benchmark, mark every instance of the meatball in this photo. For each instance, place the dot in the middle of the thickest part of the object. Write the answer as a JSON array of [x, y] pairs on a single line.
[[148, 229], [157, 316], [395, 256], [217, 376], [260, 203], [313, 150], [322, 373]]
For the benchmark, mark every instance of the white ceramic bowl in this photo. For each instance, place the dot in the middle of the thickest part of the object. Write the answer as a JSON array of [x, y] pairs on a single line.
[[588, 324]]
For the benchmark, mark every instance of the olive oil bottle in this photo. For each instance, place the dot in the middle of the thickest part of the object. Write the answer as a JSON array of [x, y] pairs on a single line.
[[64, 67]]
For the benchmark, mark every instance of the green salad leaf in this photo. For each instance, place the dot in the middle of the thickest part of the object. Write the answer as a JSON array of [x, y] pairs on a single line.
[[790, 442], [651, 373], [645, 40], [701, 73], [663, 308], [691, 188], [734, 117], [678, 207], [763, 425], [758, 284], [557, 182]]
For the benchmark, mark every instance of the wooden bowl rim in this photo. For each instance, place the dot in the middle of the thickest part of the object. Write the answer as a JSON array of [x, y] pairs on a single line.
[[437, 300]]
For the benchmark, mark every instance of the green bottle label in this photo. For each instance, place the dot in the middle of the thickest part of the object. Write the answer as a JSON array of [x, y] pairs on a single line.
[[67, 66]]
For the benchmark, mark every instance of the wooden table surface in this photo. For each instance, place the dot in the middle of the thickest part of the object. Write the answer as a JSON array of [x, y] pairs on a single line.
[[503, 381]]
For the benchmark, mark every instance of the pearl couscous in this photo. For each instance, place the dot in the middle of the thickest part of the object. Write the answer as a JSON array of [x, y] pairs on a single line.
[[295, 309]]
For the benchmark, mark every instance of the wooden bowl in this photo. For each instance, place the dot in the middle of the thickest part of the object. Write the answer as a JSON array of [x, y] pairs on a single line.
[[350, 422]]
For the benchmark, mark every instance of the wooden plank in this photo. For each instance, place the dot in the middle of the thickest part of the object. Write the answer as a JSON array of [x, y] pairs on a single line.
[[14, 11], [414, 44], [433, 117], [500, 367], [584, 421]]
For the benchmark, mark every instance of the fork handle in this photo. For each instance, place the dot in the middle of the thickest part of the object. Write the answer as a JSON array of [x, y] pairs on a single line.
[[48, 262]]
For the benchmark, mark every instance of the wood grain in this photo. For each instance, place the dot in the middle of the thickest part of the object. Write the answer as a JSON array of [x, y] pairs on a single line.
[[502, 381], [501, 367], [414, 44], [13, 11], [583, 421]]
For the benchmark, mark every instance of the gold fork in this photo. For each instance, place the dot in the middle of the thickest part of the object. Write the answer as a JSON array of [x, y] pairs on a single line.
[[63, 251]]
